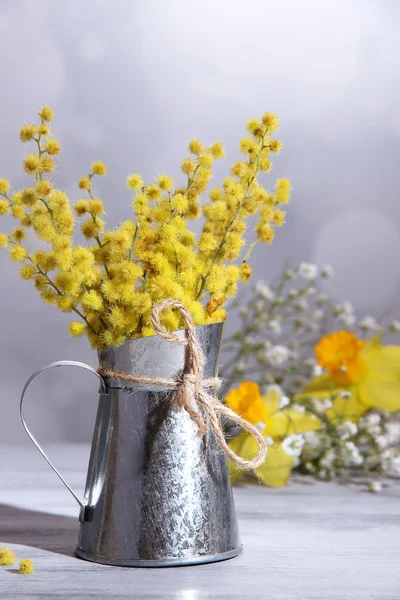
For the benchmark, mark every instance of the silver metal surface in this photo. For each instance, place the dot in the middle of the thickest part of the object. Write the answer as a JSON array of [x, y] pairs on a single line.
[[156, 494], [61, 363]]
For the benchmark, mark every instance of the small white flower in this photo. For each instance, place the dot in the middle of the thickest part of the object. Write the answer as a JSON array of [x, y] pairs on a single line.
[[292, 293], [375, 487], [369, 324], [391, 461], [299, 408], [293, 444], [301, 304], [344, 395], [275, 326], [260, 426], [347, 320], [317, 371], [351, 454], [318, 315], [264, 291], [328, 460], [392, 429], [394, 326], [372, 419], [327, 272], [308, 270], [346, 430], [312, 439], [284, 401], [268, 440], [278, 355], [345, 308], [321, 405], [249, 340], [240, 366], [381, 441], [311, 291]]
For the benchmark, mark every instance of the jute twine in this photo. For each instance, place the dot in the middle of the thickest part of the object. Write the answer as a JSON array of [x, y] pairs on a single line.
[[191, 389]]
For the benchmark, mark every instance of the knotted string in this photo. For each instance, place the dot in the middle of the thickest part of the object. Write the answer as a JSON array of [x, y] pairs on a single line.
[[191, 389]]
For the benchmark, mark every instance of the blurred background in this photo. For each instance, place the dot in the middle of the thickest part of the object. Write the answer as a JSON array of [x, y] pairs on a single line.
[[132, 82]]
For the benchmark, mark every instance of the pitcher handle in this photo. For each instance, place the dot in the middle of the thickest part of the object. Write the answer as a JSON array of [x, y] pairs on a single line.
[[61, 363]]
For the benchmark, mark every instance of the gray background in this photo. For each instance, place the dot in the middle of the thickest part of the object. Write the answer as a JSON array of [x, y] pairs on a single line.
[[132, 82]]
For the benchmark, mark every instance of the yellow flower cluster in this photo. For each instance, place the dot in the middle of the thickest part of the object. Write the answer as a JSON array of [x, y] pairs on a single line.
[[113, 282]]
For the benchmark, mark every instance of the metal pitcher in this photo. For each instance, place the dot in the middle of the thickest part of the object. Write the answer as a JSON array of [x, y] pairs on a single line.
[[156, 494]]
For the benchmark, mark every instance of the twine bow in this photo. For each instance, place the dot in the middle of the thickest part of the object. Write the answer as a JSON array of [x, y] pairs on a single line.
[[191, 389]]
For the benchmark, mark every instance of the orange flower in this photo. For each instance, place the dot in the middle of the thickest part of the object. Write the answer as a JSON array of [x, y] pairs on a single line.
[[246, 401], [339, 353]]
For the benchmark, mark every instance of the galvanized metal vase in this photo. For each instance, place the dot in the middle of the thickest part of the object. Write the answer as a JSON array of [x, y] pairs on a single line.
[[157, 494]]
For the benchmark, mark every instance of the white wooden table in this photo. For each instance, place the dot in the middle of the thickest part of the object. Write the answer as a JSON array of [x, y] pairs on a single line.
[[305, 541]]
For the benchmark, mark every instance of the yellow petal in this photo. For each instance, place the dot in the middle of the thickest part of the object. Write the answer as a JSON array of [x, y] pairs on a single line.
[[321, 387], [239, 446], [290, 421], [380, 387], [277, 468], [348, 409], [272, 401]]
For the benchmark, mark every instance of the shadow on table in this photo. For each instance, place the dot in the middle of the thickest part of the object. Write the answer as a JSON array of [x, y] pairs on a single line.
[[54, 533]]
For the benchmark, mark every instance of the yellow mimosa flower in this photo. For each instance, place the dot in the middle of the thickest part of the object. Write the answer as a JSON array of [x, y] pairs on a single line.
[[367, 371], [277, 424]]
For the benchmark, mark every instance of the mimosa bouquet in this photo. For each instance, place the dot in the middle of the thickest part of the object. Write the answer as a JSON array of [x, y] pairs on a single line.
[[113, 281]]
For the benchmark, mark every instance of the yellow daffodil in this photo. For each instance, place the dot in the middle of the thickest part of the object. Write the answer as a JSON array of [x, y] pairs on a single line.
[[367, 371], [277, 424]]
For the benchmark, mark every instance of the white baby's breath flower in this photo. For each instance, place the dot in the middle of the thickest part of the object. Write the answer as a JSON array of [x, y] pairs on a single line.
[[391, 461], [392, 429], [346, 430], [268, 440], [351, 454], [381, 441], [375, 487], [311, 291], [299, 408], [301, 304], [264, 291], [274, 326], [369, 324], [284, 401], [327, 272], [308, 271], [347, 320], [372, 419], [292, 293], [344, 308], [320, 405], [278, 355], [293, 444], [312, 439], [240, 366], [317, 371], [344, 395], [249, 340], [318, 315], [328, 460], [394, 326]]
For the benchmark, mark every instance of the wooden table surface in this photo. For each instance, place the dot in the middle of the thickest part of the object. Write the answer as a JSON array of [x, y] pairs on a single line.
[[305, 541]]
